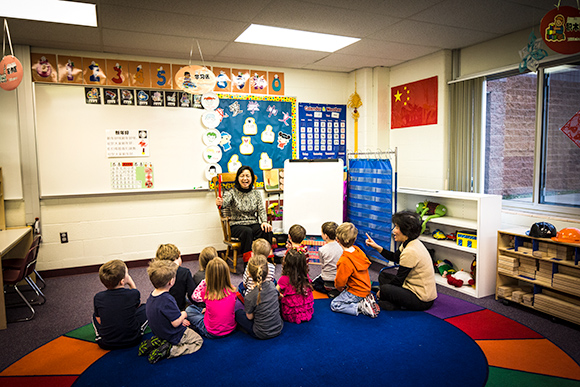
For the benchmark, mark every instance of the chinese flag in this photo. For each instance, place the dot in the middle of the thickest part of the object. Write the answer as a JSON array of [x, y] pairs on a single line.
[[414, 104]]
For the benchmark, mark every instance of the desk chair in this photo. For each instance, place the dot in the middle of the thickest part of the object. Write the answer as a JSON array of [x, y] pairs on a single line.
[[233, 245], [15, 263], [13, 276]]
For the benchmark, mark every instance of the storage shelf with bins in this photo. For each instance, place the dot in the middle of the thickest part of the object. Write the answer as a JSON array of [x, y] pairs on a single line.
[[479, 213], [539, 273]]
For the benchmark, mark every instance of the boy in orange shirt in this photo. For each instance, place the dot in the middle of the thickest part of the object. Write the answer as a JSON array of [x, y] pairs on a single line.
[[352, 277]]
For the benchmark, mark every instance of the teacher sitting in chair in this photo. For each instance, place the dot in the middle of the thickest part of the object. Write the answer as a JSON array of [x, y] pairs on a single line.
[[248, 219]]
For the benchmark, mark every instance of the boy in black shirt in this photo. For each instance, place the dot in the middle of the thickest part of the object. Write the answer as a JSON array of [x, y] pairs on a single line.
[[119, 318], [184, 285]]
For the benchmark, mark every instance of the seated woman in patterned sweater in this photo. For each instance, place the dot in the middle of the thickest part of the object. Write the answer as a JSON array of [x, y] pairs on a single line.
[[248, 212]]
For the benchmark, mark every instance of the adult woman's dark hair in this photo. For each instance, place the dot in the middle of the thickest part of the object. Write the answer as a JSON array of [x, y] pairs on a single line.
[[237, 182], [409, 223]]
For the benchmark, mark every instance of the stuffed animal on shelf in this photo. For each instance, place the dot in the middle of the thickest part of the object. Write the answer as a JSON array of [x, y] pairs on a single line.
[[434, 210], [460, 278], [444, 267]]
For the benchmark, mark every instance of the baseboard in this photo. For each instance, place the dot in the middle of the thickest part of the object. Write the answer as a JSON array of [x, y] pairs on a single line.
[[95, 268]]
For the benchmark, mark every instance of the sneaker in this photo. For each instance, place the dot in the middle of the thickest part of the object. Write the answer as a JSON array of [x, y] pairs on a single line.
[[368, 306], [149, 345], [160, 352]]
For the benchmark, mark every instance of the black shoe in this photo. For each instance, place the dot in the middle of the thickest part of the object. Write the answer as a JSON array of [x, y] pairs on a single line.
[[333, 293], [375, 289], [147, 346], [160, 352]]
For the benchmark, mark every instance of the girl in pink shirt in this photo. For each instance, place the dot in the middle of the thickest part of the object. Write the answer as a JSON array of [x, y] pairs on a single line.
[[217, 319], [295, 288]]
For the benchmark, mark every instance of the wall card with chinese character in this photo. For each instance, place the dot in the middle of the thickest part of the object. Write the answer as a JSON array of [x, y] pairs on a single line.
[[256, 131], [108, 149]]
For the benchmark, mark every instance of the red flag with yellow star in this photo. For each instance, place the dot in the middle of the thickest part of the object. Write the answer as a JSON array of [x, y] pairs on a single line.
[[414, 104]]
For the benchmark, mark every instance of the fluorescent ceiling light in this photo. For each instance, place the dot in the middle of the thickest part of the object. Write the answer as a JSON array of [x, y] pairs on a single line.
[[67, 12], [283, 37]]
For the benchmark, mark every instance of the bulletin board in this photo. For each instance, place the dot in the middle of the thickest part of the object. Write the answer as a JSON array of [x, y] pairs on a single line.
[[72, 143], [259, 131], [313, 193]]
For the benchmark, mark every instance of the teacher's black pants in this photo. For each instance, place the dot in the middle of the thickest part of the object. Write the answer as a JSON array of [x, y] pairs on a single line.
[[247, 234], [394, 297]]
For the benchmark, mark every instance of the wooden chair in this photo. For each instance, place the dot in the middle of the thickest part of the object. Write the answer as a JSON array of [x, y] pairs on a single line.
[[233, 245]]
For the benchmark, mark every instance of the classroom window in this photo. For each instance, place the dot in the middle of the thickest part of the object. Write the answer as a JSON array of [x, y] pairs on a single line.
[[529, 161]]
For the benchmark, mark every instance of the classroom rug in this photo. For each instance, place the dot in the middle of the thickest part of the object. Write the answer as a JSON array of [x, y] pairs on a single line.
[[450, 343]]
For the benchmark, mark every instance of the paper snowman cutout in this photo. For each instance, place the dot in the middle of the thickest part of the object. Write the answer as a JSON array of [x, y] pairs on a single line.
[[265, 161], [268, 135], [250, 127], [234, 164], [246, 147]]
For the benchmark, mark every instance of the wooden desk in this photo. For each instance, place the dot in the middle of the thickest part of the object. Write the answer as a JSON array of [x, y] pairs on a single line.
[[14, 243]]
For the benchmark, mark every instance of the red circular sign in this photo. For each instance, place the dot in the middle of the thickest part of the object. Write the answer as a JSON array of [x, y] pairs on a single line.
[[10, 72], [560, 29]]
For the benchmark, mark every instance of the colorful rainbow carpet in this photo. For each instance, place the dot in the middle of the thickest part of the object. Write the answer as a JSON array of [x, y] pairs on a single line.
[[455, 342]]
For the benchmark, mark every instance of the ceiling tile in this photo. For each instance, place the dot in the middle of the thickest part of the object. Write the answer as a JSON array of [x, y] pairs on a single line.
[[319, 18], [434, 35]]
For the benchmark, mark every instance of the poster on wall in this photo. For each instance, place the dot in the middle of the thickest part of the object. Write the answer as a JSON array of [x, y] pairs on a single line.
[[131, 175], [414, 104], [127, 143], [44, 67], [321, 131], [256, 131], [118, 71], [70, 69]]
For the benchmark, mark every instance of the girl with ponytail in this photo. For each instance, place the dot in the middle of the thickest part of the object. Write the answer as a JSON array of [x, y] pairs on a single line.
[[260, 317]]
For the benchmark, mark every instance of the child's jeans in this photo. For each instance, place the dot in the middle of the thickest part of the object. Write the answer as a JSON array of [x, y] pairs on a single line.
[[345, 302], [195, 316]]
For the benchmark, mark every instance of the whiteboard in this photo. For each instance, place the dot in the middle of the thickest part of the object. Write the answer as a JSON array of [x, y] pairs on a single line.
[[72, 146], [313, 193]]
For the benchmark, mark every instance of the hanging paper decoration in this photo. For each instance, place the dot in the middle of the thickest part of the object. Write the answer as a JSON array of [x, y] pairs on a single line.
[[195, 79], [560, 29], [572, 129], [11, 71], [532, 54], [210, 100]]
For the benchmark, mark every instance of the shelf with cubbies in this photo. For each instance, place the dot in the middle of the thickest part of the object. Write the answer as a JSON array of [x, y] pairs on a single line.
[[478, 214], [539, 273]]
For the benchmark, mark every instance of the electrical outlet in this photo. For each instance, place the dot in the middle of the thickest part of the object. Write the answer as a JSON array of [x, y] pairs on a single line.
[[63, 237]]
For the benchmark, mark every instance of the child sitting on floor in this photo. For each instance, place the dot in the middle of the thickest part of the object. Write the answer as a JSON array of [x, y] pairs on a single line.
[[259, 247], [352, 277], [206, 255], [260, 317], [296, 235], [119, 318], [172, 337], [217, 318], [295, 288], [329, 255], [183, 287]]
